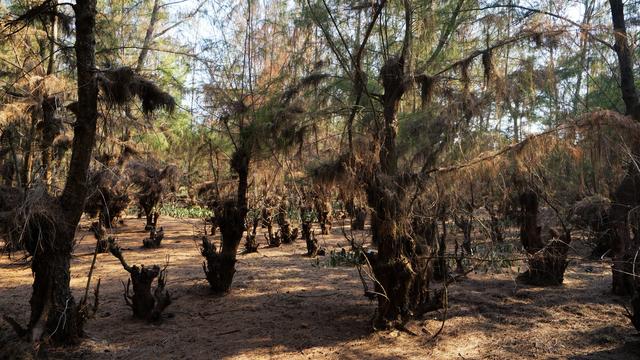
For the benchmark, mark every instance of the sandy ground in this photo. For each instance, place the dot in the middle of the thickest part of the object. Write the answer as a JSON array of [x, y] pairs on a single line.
[[284, 305]]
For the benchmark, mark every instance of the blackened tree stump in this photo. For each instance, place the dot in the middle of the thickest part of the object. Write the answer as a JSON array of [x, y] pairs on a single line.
[[154, 240], [146, 305], [251, 242], [360, 215], [547, 262], [309, 237], [219, 265]]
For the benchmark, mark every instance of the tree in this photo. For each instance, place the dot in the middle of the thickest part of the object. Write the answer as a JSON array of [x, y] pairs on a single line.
[[52, 299], [627, 195]]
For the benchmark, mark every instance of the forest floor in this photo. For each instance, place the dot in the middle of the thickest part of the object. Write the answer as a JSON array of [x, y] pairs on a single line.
[[284, 305]]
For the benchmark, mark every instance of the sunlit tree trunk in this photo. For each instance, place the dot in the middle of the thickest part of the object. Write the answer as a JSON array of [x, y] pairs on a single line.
[[148, 35]]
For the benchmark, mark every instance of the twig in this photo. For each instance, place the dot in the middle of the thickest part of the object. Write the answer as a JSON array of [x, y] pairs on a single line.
[[228, 332]]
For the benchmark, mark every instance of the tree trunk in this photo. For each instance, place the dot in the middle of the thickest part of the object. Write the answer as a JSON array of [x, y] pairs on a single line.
[[310, 239], [626, 195], [53, 309], [583, 64], [529, 231], [146, 304], [625, 60], [403, 264], [219, 266], [624, 246], [51, 66], [251, 242], [52, 302], [49, 132], [547, 262], [148, 36], [27, 157], [359, 218]]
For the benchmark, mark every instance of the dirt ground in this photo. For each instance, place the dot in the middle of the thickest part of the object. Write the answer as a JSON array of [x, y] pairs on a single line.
[[284, 305]]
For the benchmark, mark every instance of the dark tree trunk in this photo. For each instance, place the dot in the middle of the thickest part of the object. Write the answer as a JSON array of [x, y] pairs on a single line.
[[51, 299], [219, 266], [625, 59], [53, 309], [634, 314], [441, 267], [148, 204], [626, 195], [547, 262], [466, 225], [529, 230], [251, 242], [624, 246], [323, 211], [155, 238], [147, 305], [403, 264], [99, 232], [359, 218], [310, 239], [285, 233], [27, 156]]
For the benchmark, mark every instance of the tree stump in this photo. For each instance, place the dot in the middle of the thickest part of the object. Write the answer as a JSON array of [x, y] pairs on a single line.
[[547, 262], [218, 268], [286, 235], [154, 239], [146, 305], [309, 237], [219, 265], [360, 216], [251, 243], [323, 212]]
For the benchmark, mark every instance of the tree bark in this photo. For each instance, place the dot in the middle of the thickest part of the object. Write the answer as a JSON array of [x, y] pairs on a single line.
[[49, 133], [625, 60], [547, 262], [219, 266], [403, 264], [27, 157], [626, 195], [52, 302], [148, 36]]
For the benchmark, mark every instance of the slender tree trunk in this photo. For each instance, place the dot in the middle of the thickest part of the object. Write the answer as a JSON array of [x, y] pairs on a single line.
[[625, 60], [148, 38], [49, 133], [626, 195], [49, 105], [27, 157], [584, 48], [51, 65]]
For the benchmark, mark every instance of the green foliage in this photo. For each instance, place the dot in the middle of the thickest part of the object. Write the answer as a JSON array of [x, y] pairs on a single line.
[[343, 257], [193, 212]]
